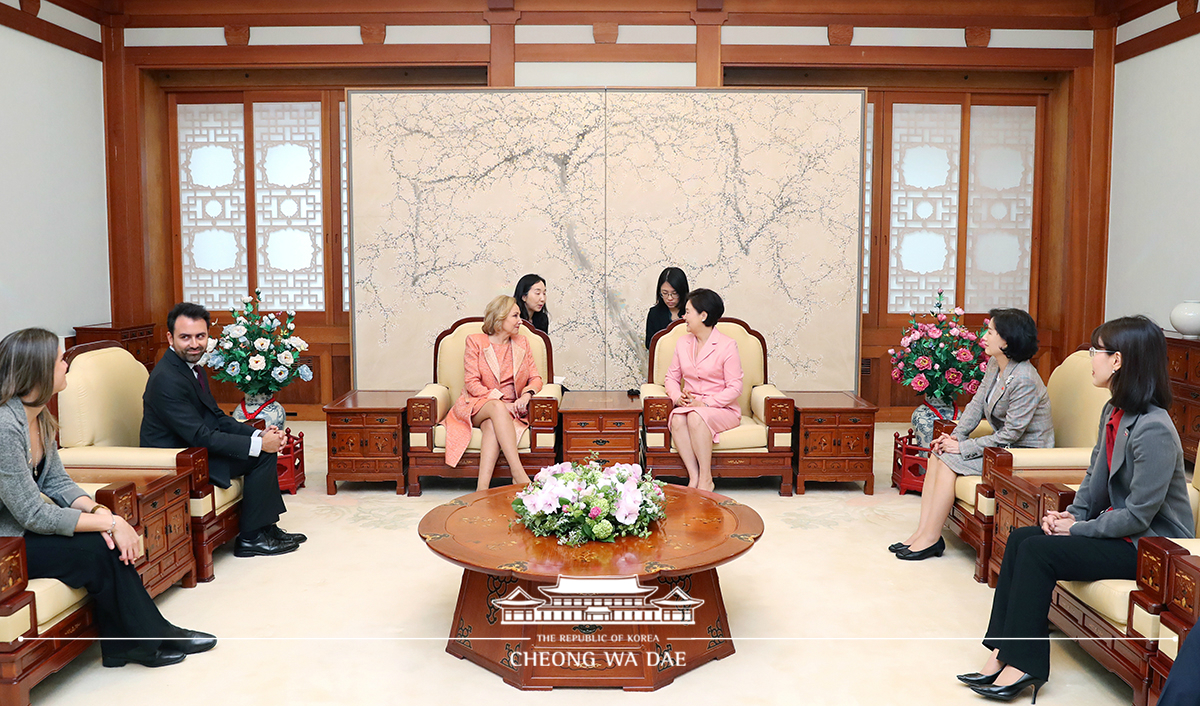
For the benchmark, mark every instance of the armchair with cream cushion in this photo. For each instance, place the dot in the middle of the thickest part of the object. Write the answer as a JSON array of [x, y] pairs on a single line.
[[1130, 625], [35, 613], [100, 415], [761, 445], [427, 410]]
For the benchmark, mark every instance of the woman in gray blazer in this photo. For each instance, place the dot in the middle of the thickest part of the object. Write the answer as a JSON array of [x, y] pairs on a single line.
[[1013, 400], [1134, 488], [73, 538]]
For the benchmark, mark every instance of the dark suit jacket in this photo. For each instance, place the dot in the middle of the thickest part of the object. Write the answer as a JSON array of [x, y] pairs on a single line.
[[177, 412], [658, 318], [1147, 491]]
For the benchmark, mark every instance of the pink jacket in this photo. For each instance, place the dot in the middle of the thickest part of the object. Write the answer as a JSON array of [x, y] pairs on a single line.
[[714, 375]]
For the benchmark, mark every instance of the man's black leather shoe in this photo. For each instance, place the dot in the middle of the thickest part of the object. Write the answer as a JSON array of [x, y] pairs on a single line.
[[263, 545], [189, 642], [158, 658], [277, 533]]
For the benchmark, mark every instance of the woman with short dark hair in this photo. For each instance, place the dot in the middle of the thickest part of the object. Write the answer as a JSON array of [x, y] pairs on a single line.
[[1134, 488], [1013, 400], [670, 295], [704, 381], [73, 539], [530, 294]]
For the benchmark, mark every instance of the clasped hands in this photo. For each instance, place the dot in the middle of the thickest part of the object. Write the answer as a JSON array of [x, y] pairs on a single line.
[[687, 399], [122, 537], [521, 404], [944, 444], [272, 439], [1058, 523]]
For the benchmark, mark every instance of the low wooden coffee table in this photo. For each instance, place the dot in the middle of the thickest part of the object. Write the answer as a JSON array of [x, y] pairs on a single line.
[[635, 613]]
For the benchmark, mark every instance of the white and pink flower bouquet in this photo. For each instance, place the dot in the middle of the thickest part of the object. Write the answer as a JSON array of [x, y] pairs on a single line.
[[941, 358], [584, 502], [259, 353]]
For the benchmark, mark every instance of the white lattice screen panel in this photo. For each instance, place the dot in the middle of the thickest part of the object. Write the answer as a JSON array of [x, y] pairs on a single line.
[[288, 205], [212, 200], [1000, 206], [926, 143]]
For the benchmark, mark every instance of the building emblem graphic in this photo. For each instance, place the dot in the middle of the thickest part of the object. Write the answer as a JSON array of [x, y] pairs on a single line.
[[611, 600]]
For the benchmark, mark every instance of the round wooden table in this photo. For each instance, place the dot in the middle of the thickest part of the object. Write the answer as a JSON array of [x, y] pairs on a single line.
[[634, 613]]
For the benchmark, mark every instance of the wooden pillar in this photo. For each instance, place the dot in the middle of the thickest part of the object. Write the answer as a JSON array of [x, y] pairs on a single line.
[[708, 48], [502, 64]]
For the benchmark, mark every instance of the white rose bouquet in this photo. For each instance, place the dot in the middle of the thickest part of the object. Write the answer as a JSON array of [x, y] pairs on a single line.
[[258, 352]]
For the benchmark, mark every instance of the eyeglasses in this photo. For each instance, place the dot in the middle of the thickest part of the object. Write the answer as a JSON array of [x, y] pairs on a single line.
[[669, 295], [1093, 351]]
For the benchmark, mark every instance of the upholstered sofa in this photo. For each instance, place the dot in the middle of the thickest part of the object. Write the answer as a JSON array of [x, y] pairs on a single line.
[[1119, 621], [44, 624], [1075, 407], [762, 445], [427, 411], [100, 414]]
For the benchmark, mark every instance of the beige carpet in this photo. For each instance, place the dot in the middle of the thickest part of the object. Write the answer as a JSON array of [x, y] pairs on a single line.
[[820, 611]]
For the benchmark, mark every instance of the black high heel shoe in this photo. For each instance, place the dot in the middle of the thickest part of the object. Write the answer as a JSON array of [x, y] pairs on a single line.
[[893, 548], [978, 679], [1012, 691], [935, 549]]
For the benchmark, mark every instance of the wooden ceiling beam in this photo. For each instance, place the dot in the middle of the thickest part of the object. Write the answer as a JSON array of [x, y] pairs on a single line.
[[1127, 10], [91, 9]]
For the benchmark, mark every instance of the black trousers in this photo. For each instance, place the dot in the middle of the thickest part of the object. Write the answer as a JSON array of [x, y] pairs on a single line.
[[1033, 562], [262, 501], [1183, 683], [122, 607]]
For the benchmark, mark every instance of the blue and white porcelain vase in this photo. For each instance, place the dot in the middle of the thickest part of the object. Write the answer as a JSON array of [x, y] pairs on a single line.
[[926, 414], [263, 406]]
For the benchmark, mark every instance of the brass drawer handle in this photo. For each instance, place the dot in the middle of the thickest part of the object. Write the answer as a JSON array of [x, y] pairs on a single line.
[[600, 442], [154, 504], [618, 424], [855, 420], [583, 424], [1004, 491], [178, 491], [381, 420]]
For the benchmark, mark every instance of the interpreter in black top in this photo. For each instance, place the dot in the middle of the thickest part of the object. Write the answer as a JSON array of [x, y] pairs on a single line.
[[530, 294], [669, 299]]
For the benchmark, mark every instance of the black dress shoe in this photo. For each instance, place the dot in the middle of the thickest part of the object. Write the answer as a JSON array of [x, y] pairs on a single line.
[[278, 533], [1012, 691], [934, 549], [893, 548], [264, 545], [189, 642], [158, 658], [978, 679]]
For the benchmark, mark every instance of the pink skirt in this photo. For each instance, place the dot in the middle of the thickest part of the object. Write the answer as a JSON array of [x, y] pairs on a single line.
[[718, 419]]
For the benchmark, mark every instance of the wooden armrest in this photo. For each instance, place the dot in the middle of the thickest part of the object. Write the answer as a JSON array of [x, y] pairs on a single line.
[[655, 411], [1181, 587], [1155, 556], [421, 412], [543, 413], [14, 571], [1054, 497], [943, 426], [121, 498]]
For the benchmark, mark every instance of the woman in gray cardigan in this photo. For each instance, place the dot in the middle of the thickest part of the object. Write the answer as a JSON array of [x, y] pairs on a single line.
[[1013, 400], [1134, 488], [73, 538]]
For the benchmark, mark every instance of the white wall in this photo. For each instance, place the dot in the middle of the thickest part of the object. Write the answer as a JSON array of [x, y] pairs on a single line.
[[53, 212], [1154, 229]]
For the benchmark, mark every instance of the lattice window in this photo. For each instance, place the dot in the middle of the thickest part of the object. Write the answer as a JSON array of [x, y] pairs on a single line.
[[212, 200], [868, 171], [926, 141], [345, 212], [1000, 206], [288, 205]]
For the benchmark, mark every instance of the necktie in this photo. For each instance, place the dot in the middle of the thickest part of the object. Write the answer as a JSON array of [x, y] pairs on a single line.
[[201, 378]]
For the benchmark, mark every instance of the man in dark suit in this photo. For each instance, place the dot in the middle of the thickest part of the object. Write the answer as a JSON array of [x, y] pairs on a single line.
[[179, 410]]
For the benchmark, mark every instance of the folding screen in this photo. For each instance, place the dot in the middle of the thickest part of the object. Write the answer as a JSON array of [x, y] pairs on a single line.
[[756, 194]]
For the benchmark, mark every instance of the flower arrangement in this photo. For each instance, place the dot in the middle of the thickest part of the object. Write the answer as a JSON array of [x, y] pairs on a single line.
[[940, 359], [257, 352], [582, 502]]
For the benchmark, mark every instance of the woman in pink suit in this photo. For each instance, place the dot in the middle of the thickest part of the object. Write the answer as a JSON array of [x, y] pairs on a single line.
[[498, 363], [704, 381]]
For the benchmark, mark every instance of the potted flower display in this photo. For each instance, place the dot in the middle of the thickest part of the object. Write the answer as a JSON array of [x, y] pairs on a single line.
[[258, 353], [939, 359], [583, 502]]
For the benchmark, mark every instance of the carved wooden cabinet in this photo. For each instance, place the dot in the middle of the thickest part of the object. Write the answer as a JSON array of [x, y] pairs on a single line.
[[605, 422], [366, 437], [1183, 365], [834, 438], [138, 340], [1021, 501], [163, 510]]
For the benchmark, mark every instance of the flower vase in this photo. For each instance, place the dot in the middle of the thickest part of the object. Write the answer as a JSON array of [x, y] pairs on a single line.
[[923, 417], [262, 406]]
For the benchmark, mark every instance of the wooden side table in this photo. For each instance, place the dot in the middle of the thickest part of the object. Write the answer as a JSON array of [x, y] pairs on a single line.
[[834, 438], [1021, 501], [366, 437], [606, 422], [138, 340], [1183, 365]]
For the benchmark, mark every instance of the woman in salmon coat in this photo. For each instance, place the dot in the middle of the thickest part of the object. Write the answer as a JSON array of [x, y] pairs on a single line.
[[704, 381], [498, 363]]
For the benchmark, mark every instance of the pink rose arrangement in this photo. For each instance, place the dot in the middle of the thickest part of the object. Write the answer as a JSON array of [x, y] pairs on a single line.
[[939, 357]]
